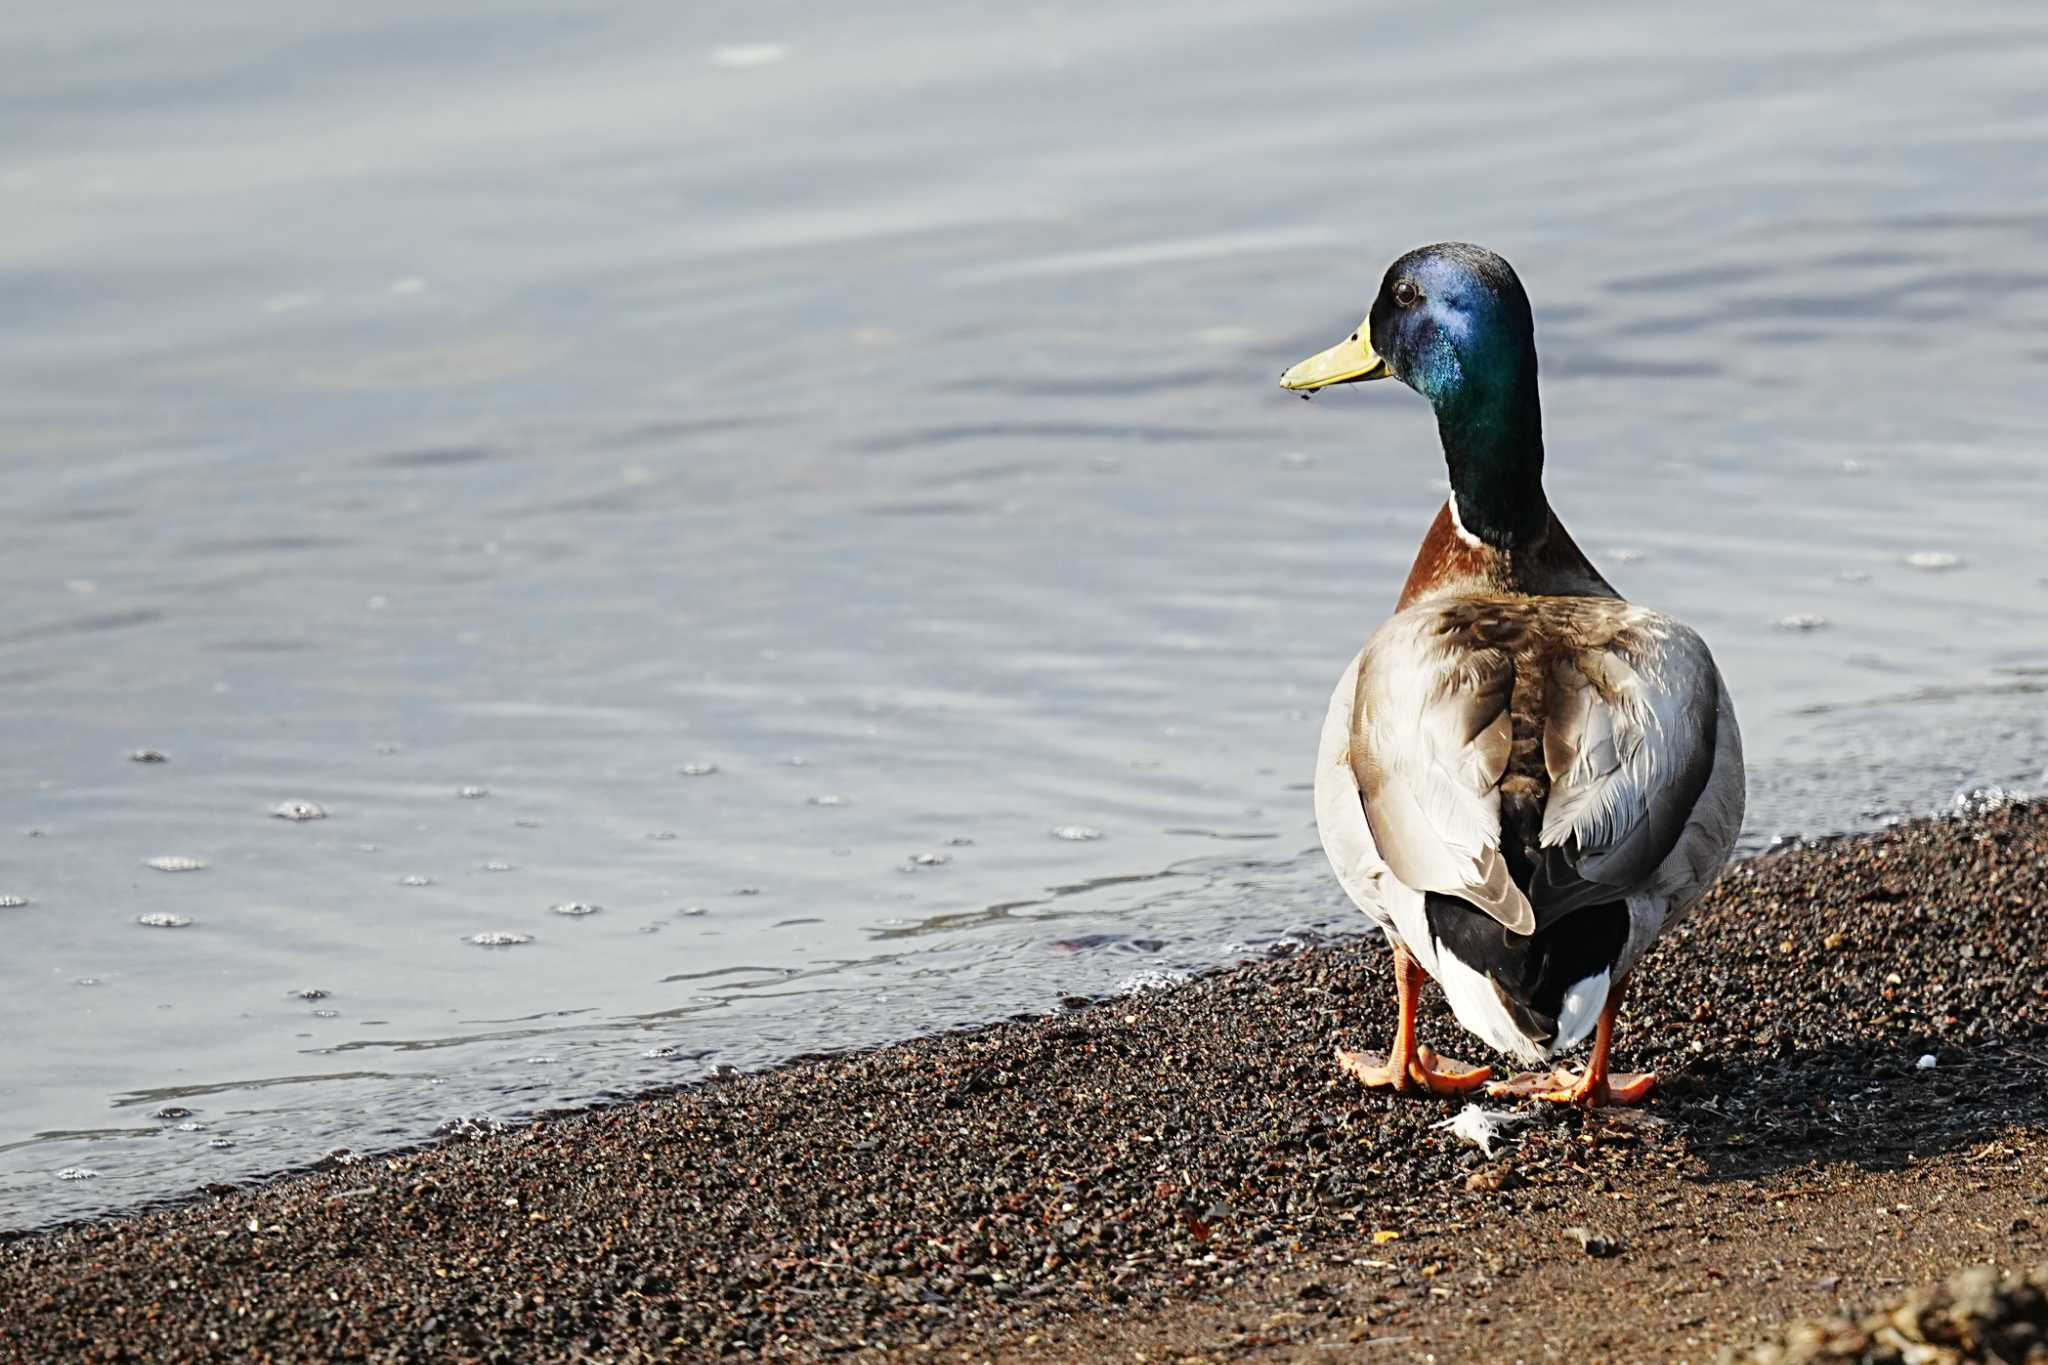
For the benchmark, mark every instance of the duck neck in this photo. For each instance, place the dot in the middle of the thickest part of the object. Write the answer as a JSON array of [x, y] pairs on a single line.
[[1493, 444]]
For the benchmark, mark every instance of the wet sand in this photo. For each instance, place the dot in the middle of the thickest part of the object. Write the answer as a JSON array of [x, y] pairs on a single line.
[[1184, 1173]]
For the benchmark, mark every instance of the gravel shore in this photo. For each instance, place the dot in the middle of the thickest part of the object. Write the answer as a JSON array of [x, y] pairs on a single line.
[[1854, 1044]]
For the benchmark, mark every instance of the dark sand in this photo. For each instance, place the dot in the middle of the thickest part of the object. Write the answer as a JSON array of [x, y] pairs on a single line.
[[1185, 1174]]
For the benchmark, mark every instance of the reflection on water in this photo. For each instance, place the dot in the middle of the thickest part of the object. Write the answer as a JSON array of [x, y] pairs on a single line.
[[774, 482]]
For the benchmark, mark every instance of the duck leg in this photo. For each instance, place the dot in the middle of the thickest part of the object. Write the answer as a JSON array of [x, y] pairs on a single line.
[[1411, 1067], [1594, 1086]]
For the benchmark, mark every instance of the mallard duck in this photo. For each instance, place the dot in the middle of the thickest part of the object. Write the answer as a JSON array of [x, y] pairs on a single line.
[[1523, 778]]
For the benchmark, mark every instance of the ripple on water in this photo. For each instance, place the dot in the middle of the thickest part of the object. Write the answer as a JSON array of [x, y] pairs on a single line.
[[495, 938], [1076, 834], [171, 1113], [78, 1173], [1800, 622], [161, 920], [472, 793], [299, 810], [177, 863], [575, 909], [416, 879], [698, 769]]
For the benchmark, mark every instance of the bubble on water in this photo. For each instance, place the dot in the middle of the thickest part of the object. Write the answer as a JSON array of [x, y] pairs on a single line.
[[415, 879], [662, 836], [1150, 979], [574, 909], [1800, 622], [160, 920], [78, 1173], [299, 810], [472, 793], [148, 756], [310, 993], [1625, 554], [649, 929], [659, 1052], [797, 761], [495, 866], [698, 769], [86, 981], [1933, 560], [327, 1014], [918, 860], [747, 56], [828, 799], [540, 1061], [497, 938], [220, 1144], [172, 1112], [693, 911], [191, 1126], [1076, 833], [13, 902], [177, 863]]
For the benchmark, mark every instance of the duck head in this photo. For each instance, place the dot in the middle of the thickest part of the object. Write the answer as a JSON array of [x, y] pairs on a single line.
[[1451, 322]]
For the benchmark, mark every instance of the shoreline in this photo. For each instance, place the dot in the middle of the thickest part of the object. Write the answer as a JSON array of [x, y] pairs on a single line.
[[1183, 1171]]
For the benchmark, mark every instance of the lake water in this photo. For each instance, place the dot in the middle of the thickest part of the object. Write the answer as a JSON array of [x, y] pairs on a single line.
[[767, 476]]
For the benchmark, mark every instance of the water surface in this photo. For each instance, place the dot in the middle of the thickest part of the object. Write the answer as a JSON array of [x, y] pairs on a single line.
[[766, 478]]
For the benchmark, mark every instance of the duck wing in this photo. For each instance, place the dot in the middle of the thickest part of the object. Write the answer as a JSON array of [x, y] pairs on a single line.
[[1535, 756]]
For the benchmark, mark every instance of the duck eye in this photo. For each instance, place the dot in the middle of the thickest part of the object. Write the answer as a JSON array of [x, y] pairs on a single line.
[[1406, 295]]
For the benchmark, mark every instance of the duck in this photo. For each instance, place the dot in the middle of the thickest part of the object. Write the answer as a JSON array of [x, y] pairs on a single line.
[[1523, 778]]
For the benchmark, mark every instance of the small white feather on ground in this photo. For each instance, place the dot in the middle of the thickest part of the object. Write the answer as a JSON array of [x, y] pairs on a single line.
[[1482, 1127]]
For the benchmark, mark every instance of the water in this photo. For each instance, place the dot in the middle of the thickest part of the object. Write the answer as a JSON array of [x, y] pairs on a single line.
[[814, 486]]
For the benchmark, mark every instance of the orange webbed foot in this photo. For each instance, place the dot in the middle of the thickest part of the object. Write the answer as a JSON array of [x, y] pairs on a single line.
[[1425, 1071], [1586, 1088]]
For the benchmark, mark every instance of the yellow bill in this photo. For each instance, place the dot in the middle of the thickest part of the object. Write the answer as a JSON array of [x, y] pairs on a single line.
[[1350, 361]]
